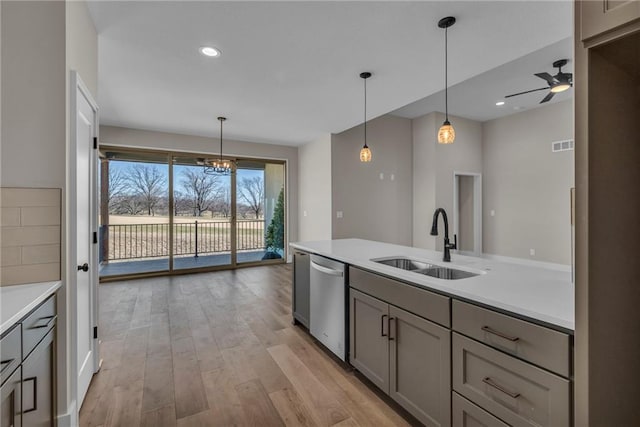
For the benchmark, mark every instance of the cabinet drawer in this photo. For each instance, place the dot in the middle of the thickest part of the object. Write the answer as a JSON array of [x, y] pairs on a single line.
[[514, 391], [410, 298], [36, 325], [466, 414], [539, 345], [10, 352]]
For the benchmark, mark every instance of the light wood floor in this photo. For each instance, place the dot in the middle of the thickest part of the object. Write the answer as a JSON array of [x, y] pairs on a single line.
[[218, 349]]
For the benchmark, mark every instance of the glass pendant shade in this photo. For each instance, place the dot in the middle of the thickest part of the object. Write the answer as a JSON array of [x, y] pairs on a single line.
[[446, 133], [365, 154]]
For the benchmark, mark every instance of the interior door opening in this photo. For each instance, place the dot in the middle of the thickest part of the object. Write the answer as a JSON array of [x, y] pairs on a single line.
[[467, 212]]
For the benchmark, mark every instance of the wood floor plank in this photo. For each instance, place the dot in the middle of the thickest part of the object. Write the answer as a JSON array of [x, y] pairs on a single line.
[[158, 384], [316, 396], [256, 405], [125, 408], [190, 397], [161, 417], [223, 399], [292, 410]]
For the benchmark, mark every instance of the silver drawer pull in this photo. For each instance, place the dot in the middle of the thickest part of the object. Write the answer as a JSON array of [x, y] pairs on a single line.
[[49, 319], [499, 334], [488, 381], [6, 364]]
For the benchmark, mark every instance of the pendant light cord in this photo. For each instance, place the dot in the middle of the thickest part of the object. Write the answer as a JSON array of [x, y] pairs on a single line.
[[221, 140], [446, 73], [365, 112]]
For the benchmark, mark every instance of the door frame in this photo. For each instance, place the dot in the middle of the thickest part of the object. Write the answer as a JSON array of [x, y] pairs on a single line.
[[77, 87], [477, 210]]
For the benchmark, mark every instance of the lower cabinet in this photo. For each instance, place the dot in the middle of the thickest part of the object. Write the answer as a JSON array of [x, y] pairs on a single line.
[[37, 384], [466, 414], [10, 394], [300, 298], [407, 356]]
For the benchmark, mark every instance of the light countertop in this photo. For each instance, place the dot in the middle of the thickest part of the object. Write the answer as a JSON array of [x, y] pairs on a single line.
[[18, 300], [541, 294]]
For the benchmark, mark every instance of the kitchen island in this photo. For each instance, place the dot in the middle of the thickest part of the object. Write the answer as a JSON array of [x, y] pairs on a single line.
[[492, 349]]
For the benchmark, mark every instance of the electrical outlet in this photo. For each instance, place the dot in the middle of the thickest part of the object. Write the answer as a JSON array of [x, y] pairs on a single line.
[[392, 177], [381, 176], [304, 213], [339, 214], [493, 213], [532, 252]]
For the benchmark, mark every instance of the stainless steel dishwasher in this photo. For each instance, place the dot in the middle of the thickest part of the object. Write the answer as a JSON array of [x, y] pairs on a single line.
[[327, 299]]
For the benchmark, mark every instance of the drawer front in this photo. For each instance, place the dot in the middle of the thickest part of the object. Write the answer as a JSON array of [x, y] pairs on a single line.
[[36, 325], [10, 352], [539, 345], [410, 298], [512, 390], [466, 414]]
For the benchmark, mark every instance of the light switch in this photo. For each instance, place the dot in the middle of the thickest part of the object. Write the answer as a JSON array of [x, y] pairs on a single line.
[[304, 213], [381, 176], [339, 214], [493, 213], [392, 177], [532, 252]]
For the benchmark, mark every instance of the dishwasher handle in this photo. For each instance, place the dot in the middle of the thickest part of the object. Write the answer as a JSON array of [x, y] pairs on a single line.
[[326, 270]]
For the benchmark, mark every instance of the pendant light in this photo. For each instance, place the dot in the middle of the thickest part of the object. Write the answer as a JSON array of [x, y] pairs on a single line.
[[446, 134], [365, 152], [219, 166]]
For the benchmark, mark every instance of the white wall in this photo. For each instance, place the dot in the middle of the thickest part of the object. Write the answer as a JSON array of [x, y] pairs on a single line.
[[527, 185], [433, 167], [373, 208], [146, 139], [314, 189]]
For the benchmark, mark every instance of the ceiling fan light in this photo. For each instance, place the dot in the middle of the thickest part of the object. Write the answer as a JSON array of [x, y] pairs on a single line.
[[560, 87], [446, 133]]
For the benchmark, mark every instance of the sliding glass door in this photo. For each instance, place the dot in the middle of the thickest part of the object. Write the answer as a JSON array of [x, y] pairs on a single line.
[[163, 213], [260, 211], [202, 220]]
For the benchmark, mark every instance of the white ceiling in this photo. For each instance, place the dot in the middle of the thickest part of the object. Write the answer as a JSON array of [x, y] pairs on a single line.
[[476, 97], [289, 70]]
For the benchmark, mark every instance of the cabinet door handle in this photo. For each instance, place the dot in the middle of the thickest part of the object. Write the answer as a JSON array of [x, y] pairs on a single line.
[[391, 338], [49, 319], [488, 381], [35, 394], [6, 364], [382, 334], [499, 334]]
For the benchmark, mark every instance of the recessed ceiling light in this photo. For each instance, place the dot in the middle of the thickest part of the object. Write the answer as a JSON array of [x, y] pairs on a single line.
[[209, 51], [500, 103]]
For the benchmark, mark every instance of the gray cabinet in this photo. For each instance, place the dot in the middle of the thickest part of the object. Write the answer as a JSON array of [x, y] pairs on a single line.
[[407, 356], [11, 402], [369, 345], [420, 366], [300, 297], [605, 15], [37, 384], [28, 369]]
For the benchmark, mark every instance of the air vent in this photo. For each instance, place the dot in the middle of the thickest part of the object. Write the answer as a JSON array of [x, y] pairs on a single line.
[[565, 145]]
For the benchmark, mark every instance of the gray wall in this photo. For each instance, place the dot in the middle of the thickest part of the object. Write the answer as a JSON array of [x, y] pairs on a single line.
[[136, 138], [314, 189], [373, 208], [527, 185], [433, 168]]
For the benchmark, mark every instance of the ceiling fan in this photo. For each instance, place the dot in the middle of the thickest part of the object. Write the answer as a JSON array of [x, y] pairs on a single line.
[[558, 83]]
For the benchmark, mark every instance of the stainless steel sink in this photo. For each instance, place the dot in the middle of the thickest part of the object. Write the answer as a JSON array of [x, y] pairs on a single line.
[[427, 269], [404, 263], [446, 273]]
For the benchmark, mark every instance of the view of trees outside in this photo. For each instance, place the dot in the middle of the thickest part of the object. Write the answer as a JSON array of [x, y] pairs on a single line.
[[141, 189]]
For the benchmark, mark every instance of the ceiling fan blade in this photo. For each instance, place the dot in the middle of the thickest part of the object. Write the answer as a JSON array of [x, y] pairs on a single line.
[[527, 91], [546, 76], [547, 98]]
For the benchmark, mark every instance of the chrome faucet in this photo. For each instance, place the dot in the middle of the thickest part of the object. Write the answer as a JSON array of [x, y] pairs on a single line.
[[434, 232]]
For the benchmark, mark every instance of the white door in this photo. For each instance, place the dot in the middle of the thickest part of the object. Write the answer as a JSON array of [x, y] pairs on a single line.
[[84, 221]]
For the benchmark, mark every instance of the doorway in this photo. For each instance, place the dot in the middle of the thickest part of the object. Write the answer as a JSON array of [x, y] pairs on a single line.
[[166, 213], [467, 212]]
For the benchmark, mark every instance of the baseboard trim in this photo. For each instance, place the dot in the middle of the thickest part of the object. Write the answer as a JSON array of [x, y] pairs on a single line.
[[70, 419]]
